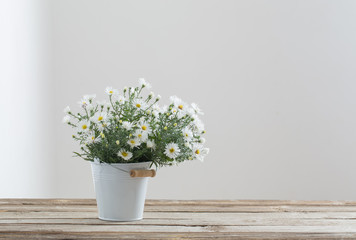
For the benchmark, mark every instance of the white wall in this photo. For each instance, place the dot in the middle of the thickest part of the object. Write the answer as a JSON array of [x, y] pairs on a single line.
[[276, 80], [26, 98]]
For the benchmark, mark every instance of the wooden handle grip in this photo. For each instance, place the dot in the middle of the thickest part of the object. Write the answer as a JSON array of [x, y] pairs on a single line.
[[143, 173]]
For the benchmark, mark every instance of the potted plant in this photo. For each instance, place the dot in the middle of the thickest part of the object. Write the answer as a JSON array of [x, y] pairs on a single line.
[[128, 134]]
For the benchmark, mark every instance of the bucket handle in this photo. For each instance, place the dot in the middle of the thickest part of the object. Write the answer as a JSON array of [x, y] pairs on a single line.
[[134, 172], [143, 173]]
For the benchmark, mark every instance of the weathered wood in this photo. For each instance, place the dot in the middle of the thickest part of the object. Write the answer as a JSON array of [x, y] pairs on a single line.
[[186, 208], [172, 219], [217, 221], [76, 201], [190, 235]]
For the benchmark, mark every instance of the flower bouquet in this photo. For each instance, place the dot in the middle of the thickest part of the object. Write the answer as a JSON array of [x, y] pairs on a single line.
[[130, 130]]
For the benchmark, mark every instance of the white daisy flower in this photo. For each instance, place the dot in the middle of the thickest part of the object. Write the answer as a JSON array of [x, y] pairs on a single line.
[[155, 114], [164, 109], [142, 135], [66, 110], [187, 134], [199, 152], [118, 98], [174, 110], [103, 125], [196, 109], [158, 97], [172, 150], [139, 103], [177, 113], [156, 107], [66, 119], [151, 95], [202, 140], [156, 110], [89, 97], [174, 99], [151, 144], [127, 125], [143, 83], [198, 125], [178, 103], [191, 113], [92, 139], [126, 155], [144, 127], [110, 91], [134, 142], [99, 117], [83, 102], [83, 126]]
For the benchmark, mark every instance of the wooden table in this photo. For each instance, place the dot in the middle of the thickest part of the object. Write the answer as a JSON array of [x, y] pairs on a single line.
[[242, 219]]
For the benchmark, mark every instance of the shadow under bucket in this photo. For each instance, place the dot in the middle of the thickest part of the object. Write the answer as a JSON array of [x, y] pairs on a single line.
[[119, 196]]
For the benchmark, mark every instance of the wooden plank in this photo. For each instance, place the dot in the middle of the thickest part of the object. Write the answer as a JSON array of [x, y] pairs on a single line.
[[191, 235], [185, 208], [218, 221], [346, 228], [167, 215], [57, 202], [227, 219]]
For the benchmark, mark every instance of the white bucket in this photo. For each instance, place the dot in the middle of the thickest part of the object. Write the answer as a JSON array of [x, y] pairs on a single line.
[[119, 197]]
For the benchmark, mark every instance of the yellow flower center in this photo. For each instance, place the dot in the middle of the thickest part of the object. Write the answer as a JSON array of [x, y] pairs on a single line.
[[117, 142], [124, 154], [171, 150], [197, 151], [84, 126], [186, 135], [144, 127], [180, 107], [140, 135], [100, 118], [132, 141], [111, 92], [138, 105], [92, 138]]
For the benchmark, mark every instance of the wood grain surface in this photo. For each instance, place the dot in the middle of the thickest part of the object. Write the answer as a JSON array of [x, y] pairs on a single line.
[[173, 219]]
